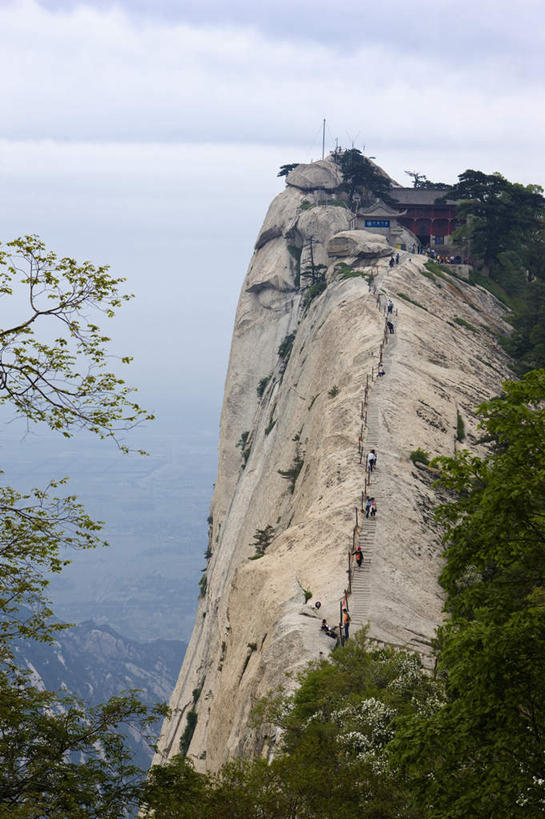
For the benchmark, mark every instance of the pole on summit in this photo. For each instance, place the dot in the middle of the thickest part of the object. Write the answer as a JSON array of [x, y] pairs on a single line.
[[323, 139]]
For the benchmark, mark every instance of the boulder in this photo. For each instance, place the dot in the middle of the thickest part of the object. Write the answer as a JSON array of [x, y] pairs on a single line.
[[324, 175], [358, 244]]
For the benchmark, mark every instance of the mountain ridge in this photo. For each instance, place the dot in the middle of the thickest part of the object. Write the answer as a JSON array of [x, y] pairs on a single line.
[[300, 469]]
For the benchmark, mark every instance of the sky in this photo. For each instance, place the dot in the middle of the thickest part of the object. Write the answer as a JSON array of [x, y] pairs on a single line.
[[147, 134]]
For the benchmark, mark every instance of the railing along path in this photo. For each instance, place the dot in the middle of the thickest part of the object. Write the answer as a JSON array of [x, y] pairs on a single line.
[[357, 594]]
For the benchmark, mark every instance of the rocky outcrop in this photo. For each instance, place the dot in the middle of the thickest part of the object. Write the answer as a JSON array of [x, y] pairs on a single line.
[[289, 460], [324, 175], [359, 244]]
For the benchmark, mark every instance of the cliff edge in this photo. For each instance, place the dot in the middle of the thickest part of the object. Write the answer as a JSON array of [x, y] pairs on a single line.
[[296, 425]]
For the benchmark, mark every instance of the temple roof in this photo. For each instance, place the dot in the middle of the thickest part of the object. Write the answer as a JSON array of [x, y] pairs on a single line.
[[419, 196], [379, 210]]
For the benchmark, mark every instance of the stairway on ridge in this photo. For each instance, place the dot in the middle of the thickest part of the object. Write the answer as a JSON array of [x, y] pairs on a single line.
[[360, 598]]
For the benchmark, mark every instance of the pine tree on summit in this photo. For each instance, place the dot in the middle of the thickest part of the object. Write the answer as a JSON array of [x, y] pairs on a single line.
[[359, 174]]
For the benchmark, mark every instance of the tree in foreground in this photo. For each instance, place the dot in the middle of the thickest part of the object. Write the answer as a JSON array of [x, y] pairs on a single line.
[[57, 757], [483, 752]]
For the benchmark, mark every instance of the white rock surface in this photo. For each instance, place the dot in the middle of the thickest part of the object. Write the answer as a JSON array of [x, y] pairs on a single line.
[[322, 175], [253, 625], [359, 243], [318, 224]]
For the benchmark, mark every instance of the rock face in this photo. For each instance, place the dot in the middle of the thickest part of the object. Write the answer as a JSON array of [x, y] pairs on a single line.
[[358, 244], [323, 175], [292, 413]]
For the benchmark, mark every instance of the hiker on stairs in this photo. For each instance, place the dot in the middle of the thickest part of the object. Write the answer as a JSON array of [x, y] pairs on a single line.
[[359, 556], [346, 622]]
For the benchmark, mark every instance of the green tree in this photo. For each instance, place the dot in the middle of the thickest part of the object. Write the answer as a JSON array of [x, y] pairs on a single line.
[[420, 181], [57, 758], [64, 381], [527, 342], [359, 174], [500, 216], [263, 539], [175, 791], [60, 758], [482, 753], [285, 169]]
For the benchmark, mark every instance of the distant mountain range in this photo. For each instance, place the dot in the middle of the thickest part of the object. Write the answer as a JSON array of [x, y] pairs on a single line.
[[95, 662]]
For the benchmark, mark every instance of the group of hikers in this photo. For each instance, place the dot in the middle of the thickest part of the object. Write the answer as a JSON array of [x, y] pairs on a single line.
[[394, 260], [331, 632], [438, 257], [389, 312], [370, 512]]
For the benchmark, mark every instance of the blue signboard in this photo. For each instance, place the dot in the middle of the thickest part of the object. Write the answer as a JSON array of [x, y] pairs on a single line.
[[384, 223]]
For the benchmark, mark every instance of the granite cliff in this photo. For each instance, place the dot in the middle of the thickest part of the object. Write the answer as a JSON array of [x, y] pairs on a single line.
[[296, 403]]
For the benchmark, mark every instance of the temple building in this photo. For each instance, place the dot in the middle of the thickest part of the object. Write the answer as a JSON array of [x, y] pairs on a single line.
[[380, 218], [432, 222], [422, 220]]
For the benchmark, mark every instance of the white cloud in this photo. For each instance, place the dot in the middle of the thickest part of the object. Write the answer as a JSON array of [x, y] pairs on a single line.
[[102, 76]]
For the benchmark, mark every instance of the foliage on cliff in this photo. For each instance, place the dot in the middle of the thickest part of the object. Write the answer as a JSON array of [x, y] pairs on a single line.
[[501, 217], [360, 175], [368, 734]]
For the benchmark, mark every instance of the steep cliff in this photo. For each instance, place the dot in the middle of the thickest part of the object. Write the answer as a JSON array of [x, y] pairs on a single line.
[[254, 624]]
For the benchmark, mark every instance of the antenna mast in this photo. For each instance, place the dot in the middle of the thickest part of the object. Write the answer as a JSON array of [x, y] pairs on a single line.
[[323, 139]]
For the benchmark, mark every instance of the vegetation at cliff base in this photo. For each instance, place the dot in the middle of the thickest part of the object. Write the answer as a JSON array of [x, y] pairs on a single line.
[[334, 759], [481, 754]]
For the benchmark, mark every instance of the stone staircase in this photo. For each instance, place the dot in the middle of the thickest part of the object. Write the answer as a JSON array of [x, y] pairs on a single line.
[[360, 599]]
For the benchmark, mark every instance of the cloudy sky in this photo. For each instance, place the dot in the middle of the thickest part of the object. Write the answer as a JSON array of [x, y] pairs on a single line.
[[148, 133]]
